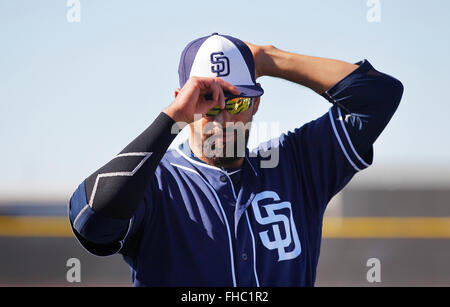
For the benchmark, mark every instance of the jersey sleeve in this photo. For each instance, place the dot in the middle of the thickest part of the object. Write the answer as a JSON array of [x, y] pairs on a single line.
[[102, 235], [327, 152], [107, 209], [365, 102], [322, 158]]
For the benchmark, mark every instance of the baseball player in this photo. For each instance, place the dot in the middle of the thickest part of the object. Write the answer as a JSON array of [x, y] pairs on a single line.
[[213, 213]]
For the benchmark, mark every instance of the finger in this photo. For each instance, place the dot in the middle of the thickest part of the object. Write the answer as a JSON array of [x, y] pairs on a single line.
[[215, 91], [221, 98], [228, 87], [207, 90], [218, 95], [211, 93]]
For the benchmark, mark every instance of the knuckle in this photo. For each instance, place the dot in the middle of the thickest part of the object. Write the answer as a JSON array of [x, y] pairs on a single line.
[[195, 81]]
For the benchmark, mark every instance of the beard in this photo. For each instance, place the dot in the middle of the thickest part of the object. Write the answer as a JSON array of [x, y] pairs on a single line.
[[223, 152]]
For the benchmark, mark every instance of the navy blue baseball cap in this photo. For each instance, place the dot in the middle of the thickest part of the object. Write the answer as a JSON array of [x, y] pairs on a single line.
[[220, 56]]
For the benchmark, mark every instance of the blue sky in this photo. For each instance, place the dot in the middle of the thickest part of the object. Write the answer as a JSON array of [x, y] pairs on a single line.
[[72, 95]]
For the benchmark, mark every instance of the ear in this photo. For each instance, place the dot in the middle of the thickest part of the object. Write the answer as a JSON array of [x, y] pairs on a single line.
[[177, 91], [256, 101]]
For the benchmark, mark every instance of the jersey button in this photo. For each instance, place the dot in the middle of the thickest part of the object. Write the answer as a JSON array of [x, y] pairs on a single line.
[[244, 256], [223, 178]]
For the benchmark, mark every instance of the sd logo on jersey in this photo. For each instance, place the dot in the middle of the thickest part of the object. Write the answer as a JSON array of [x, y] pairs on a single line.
[[271, 217], [221, 64]]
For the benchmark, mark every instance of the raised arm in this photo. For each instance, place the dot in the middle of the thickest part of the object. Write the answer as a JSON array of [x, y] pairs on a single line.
[[329, 151], [319, 74], [102, 206], [365, 98]]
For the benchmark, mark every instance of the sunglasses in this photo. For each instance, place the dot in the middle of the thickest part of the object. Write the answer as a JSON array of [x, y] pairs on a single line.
[[233, 106]]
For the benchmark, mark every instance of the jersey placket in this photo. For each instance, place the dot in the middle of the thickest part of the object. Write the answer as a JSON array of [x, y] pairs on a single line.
[[244, 240], [234, 205]]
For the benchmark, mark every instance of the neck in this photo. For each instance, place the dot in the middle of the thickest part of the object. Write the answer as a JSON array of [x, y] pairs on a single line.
[[227, 163]]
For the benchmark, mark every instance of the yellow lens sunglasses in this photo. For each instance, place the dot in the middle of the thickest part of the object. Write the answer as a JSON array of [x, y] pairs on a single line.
[[233, 106]]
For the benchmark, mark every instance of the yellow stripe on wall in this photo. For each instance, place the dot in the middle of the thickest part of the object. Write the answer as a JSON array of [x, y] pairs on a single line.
[[28, 226], [386, 227], [358, 227]]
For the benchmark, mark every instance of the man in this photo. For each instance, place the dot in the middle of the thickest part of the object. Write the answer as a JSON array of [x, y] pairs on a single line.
[[208, 214]]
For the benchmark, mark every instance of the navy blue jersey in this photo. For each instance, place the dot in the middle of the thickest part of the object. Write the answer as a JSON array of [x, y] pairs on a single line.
[[193, 228]]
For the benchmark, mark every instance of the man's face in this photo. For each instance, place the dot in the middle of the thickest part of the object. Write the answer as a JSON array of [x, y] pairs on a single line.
[[223, 137]]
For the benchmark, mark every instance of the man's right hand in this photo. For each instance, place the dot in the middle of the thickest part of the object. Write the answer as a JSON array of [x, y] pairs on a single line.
[[192, 98]]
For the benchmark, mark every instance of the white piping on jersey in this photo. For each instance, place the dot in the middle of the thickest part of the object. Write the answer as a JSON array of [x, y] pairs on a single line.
[[231, 173], [232, 186], [340, 142], [349, 141], [196, 162], [122, 242], [223, 214], [254, 249], [146, 155], [79, 215], [207, 165], [248, 160], [235, 198], [234, 194], [251, 233]]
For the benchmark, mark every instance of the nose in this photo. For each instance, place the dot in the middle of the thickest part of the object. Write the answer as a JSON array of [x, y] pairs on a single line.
[[223, 118]]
